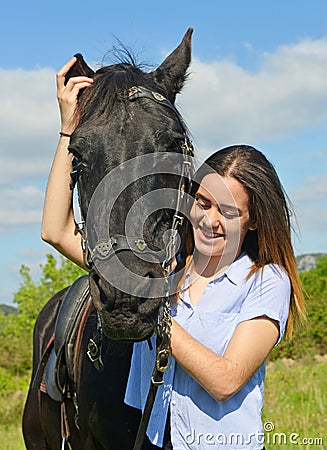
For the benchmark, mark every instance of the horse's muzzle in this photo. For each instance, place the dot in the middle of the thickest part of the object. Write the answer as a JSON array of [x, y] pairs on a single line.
[[130, 313]]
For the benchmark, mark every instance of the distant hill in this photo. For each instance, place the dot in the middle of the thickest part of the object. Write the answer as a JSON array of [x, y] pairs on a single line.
[[7, 309], [309, 261]]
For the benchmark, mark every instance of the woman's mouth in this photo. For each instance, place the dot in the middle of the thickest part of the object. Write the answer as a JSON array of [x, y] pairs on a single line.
[[209, 234]]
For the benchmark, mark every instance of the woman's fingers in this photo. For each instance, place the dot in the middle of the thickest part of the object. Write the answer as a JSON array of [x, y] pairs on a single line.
[[70, 92], [74, 83], [63, 71], [67, 94], [77, 83]]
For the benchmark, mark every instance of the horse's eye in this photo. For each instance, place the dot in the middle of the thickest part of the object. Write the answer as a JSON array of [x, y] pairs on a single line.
[[73, 150]]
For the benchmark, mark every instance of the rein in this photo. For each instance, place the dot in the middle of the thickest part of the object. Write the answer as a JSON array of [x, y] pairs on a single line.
[[116, 243]]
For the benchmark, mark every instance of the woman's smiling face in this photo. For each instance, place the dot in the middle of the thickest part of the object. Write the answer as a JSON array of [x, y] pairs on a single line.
[[220, 217]]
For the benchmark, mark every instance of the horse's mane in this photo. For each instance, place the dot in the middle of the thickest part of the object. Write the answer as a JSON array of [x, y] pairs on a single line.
[[111, 83]]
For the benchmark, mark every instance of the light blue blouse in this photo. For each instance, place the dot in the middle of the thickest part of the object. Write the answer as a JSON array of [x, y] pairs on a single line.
[[198, 421]]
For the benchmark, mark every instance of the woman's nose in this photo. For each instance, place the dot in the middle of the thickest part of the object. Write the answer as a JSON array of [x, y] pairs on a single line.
[[212, 218]]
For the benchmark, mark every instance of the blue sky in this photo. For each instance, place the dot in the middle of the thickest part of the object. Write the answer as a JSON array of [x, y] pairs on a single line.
[[258, 76]]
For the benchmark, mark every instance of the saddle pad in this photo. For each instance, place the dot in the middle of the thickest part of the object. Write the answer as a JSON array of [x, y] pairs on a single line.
[[69, 311], [61, 360]]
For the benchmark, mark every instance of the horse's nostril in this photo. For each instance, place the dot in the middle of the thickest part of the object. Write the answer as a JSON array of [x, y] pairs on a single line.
[[100, 293], [104, 299]]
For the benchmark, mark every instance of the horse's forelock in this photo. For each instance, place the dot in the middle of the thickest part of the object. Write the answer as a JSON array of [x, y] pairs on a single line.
[[111, 83]]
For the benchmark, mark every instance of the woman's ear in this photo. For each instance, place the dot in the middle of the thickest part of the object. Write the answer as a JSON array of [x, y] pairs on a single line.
[[253, 225]]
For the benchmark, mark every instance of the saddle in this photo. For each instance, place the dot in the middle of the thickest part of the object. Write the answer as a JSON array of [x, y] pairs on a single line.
[[70, 321]]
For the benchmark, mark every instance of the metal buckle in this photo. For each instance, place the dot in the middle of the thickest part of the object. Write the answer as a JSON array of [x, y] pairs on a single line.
[[93, 350], [162, 361], [158, 96], [134, 90], [140, 244], [156, 383]]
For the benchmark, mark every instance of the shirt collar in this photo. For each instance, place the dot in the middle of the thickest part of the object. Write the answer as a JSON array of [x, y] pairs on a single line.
[[235, 272]]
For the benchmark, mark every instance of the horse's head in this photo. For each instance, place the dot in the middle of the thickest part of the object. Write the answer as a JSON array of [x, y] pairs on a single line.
[[129, 149]]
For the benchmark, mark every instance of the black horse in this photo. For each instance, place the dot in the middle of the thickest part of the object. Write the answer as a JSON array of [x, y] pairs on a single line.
[[126, 116]]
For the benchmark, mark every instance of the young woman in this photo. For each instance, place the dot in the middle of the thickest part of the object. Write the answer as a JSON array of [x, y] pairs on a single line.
[[237, 293]]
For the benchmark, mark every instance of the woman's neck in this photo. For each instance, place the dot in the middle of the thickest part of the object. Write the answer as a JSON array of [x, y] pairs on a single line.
[[202, 271], [210, 267]]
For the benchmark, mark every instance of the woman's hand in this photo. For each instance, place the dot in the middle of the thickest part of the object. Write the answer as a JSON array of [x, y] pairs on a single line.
[[67, 96]]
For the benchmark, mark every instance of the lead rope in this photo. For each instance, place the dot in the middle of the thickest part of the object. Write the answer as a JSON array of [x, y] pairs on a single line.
[[161, 365]]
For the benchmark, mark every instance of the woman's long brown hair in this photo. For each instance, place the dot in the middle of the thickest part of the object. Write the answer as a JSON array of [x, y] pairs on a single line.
[[269, 208]]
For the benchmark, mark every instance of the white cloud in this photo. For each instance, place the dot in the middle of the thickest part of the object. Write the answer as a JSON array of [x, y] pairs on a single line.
[[20, 206], [312, 219], [310, 206], [28, 130], [27, 103], [222, 102], [28, 124], [225, 104], [18, 169]]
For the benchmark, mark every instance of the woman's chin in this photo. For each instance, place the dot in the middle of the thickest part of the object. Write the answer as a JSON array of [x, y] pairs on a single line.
[[210, 249]]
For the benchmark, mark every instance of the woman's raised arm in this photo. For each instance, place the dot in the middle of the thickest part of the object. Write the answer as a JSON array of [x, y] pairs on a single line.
[[58, 226]]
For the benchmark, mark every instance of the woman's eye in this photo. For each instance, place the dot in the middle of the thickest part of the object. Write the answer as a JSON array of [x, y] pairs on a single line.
[[229, 214], [201, 202], [202, 205]]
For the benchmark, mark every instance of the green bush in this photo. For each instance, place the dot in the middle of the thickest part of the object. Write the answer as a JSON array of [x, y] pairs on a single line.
[[10, 384], [311, 338]]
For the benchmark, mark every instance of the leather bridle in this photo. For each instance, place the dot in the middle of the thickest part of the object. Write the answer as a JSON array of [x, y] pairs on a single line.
[[117, 242]]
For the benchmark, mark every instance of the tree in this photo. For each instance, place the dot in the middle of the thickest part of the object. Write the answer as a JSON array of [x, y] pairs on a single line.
[[16, 330]]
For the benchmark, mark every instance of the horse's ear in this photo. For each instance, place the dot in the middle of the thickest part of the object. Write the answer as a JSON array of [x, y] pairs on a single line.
[[80, 68], [172, 73]]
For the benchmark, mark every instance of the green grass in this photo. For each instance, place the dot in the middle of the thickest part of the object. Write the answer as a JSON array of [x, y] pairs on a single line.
[[11, 438], [11, 410], [295, 406]]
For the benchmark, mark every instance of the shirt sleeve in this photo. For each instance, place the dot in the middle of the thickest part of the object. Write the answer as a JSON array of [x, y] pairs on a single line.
[[269, 296]]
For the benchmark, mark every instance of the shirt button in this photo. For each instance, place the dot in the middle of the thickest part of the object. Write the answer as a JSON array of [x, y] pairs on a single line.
[[173, 402]]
